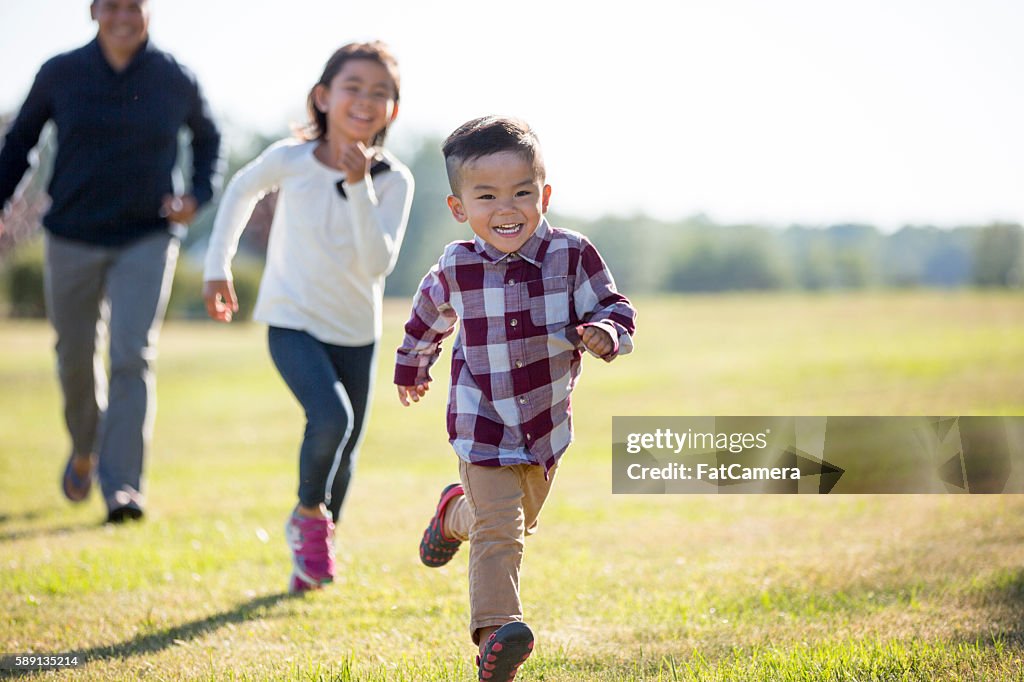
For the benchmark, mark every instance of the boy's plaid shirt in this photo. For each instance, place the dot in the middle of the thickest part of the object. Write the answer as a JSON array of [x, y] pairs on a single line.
[[517, 355]]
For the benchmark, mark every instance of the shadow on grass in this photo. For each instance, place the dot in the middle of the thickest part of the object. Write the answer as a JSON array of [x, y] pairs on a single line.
[[29, 515], [9, 536], [158, 641], [1004, 596]]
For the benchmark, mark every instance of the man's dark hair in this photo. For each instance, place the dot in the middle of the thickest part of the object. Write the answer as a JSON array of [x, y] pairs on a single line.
[[490, 135]]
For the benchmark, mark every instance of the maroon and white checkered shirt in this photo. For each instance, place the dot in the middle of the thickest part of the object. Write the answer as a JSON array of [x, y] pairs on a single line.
[[517, 355]]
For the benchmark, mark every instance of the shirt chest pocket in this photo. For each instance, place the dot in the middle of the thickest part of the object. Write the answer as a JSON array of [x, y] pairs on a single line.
[[549, 301]]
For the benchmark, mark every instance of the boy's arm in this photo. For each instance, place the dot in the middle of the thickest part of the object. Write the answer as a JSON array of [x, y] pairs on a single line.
[[600, 305], [432, 319]]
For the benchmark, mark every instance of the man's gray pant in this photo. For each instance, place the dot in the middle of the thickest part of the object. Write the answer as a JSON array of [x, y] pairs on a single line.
[[94, 294]]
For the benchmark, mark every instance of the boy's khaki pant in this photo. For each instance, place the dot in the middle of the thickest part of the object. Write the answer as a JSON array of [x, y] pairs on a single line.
[[500, 508]]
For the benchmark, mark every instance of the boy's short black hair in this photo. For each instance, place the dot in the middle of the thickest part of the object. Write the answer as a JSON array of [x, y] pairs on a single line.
[[490, 135]]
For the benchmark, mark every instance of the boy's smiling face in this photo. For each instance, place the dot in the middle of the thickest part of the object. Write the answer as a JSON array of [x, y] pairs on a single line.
[[502, 197]]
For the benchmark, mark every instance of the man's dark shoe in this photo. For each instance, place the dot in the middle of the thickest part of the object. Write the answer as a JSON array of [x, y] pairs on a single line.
[[76, 487], [122, 514]]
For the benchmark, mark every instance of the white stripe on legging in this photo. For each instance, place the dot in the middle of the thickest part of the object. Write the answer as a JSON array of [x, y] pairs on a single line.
[[343, 396]]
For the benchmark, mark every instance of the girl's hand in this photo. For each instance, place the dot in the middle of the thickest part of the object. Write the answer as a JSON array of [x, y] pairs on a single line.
[[355, 160], [221, 303], [414, 393]]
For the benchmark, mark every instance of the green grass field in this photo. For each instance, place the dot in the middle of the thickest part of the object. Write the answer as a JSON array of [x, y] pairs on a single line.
[[616, 587]]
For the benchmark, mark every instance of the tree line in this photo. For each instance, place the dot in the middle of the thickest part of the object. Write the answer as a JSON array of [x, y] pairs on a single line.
[[696, 254], [693, 254]]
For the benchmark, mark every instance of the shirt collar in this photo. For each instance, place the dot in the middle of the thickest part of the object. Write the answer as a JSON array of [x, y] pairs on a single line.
[[145, 49], [532, 251]]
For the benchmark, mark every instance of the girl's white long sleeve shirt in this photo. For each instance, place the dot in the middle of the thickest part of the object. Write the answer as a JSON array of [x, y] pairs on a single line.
[[328, 255]]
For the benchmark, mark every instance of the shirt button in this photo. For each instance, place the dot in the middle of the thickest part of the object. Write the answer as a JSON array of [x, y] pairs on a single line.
[[522, 400], [519, 364], [514, 322], [529, 437], [511, 282]]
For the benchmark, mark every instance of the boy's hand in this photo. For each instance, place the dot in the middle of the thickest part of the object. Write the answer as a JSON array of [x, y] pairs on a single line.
[[219, 296], [355, 160], [414, 393], [597, 340]]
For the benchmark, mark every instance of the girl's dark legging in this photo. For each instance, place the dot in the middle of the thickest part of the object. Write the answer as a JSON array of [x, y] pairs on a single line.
[[332, 383]]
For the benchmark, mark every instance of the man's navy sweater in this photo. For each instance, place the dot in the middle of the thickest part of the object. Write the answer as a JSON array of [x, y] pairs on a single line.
[[117, 142]]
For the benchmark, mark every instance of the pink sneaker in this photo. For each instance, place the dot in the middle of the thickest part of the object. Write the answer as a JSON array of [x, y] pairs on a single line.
[[297, 585], [312, 545]]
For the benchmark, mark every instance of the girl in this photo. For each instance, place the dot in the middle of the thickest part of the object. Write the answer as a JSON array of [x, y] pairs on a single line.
[[341, 211]]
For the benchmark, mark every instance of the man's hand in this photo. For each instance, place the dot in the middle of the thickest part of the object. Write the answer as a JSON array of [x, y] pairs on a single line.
[[413, 393], [597, 340], [15, 206], [179, 209], [219, 296]]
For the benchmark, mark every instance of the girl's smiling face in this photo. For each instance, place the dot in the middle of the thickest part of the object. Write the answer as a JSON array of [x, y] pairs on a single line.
[[359, 102]]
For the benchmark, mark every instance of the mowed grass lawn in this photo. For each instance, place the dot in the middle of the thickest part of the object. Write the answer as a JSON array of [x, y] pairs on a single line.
[[616, 587]]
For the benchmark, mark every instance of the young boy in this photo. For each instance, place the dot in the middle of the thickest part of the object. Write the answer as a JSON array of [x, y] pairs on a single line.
[[530, 297]]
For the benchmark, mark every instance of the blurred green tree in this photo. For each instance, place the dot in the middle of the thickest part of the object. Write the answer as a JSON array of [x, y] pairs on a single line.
[[998, 256]]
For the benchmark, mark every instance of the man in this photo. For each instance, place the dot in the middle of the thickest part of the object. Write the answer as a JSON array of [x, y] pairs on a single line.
[[112, 232]]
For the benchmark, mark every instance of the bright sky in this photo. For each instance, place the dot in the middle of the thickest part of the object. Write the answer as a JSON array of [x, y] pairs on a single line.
[[812, 111]]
